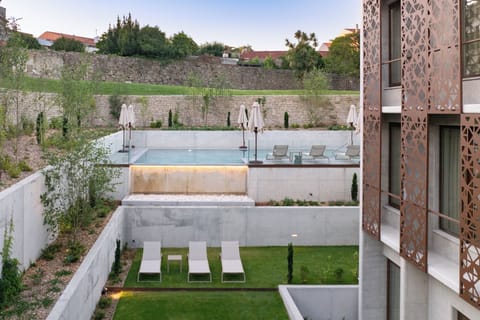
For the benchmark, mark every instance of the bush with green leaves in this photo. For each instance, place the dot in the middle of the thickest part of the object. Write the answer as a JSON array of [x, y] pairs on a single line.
[[67, 44], [115, 102], [290, 263], [40, 129], [156, 124], [285, 120], [354, 190], [69, 179], [11, 279]]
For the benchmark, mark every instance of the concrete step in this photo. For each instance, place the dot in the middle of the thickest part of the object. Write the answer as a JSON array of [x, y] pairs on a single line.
[[167, 200]]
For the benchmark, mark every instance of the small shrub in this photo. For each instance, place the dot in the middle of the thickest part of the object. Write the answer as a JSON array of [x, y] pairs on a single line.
[[63, 273], [156, 124], [46, 302], [74, 252], [40, 128], [13, 171], [98, 315], [38, 276], [27, 125], [285, 120], [56, 123], [354, 191], [11, 278], [170, 118], [288, 202], [339, 274], [104, 302], [115, 101], [295, 126], [290, 263], [23, 165], [176, 121], [228, 119], [117, 267], [50, 251]]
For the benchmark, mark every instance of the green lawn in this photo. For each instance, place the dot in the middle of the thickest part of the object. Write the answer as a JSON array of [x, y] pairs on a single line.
[[200, 305], [265, 267], [121, 88]]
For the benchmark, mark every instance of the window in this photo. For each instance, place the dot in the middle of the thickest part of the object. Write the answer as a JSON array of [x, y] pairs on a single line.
[[395, 48], [461, 316], [393, 291], [471, 38], [450, 178], [394, 165]]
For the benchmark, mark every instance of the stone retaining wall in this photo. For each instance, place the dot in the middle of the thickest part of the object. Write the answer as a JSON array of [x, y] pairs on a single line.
[[120, 69], [333, 111]]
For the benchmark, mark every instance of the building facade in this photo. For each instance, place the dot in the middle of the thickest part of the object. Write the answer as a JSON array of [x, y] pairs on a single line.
[[420, 245]]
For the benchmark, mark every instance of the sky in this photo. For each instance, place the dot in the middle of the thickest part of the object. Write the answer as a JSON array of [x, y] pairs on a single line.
[[263, 24]]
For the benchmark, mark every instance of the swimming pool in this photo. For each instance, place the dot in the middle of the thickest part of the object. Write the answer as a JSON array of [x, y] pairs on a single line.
[[195, 157]]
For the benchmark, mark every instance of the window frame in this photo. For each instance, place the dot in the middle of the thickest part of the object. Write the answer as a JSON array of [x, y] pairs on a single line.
[[392, 61], [464, 43], [391, 264], [390, 145], [444, 214]]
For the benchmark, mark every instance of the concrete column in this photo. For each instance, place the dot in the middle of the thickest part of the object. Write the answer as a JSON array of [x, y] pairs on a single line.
[[373, 279], [413, 292]]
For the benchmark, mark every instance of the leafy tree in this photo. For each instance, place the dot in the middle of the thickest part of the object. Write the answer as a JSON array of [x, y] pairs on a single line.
[[344, 55], [214, 49], [302, 56], [24, 40], [75, 96], [122, 39], [67, 44], [315, 82], [152, 42], [13, 60], [182, 45], [268, 63]]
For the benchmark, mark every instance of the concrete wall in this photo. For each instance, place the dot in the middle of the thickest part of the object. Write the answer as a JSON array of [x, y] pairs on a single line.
[[254, 226], [302, 139], [21, 202], [328, 183], [321, 302], [80, 297]]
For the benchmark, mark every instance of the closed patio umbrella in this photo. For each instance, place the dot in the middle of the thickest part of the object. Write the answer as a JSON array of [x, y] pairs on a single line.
[[131, 121], [256, 125], [352, 119], [123, 122], [243, 122]]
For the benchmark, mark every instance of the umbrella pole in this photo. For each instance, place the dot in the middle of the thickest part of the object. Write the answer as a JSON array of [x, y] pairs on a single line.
[[243, 146], [256, 131], [123, 136]]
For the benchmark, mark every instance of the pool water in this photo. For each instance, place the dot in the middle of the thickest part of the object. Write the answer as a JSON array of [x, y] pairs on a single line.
[[195, 157]]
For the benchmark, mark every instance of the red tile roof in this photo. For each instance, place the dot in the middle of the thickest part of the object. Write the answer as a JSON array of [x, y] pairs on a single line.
[[52, 36], [262, 54]]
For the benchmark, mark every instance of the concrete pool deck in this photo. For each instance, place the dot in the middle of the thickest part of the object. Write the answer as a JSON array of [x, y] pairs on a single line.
[[221, 200]]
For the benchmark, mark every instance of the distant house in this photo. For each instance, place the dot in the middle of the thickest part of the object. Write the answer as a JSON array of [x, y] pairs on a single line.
[[248, 56], [47, 38], [325, 47]]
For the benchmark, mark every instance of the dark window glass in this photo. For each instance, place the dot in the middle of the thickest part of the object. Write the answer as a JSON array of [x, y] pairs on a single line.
[[450, 178], [393, 292], [394, 164], [395, 47]]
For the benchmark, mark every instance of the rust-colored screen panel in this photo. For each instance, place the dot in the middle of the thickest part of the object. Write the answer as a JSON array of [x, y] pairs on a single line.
[[372, 117], [444, 49], [414, 177], [470, 215]]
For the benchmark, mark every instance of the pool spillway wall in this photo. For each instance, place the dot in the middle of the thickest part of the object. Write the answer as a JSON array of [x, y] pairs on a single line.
[[189, 179]]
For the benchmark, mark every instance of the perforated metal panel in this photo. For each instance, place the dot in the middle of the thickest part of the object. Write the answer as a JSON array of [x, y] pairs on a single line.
[[470, 216], [372, 117], [444, 50], [414, 122]]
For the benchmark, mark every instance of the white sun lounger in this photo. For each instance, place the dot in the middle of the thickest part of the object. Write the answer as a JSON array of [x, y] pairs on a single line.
[[280, 151], [231, 261], [151, 259], [197, 260]]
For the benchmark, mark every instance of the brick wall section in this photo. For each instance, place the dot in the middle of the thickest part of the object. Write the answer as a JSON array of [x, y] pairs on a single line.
[[333, 111], [121, 69]]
